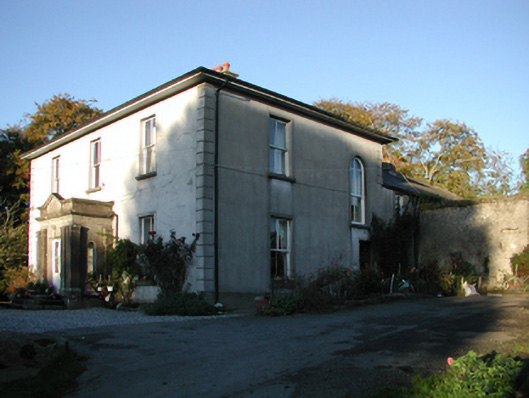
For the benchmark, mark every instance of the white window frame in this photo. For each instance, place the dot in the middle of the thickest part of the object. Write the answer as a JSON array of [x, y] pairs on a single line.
[[278, 155], [280, 227], [95, 164], [55, 165], [146, 226], [148, 146], [357, 191]]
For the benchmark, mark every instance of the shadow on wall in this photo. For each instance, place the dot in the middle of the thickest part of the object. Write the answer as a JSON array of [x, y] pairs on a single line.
[[164, 198], [484, 234]]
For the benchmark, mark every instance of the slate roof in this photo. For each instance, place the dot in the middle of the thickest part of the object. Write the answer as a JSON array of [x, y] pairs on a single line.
[[409, 186]]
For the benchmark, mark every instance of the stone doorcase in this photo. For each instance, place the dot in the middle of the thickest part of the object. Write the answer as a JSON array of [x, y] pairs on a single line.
[[72, 239]]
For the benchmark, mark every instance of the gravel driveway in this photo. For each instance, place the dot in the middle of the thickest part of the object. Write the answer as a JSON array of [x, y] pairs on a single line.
[[344, 354], [40, 321]]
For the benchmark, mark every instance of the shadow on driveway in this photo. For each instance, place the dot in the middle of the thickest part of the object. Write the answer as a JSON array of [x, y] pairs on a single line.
[[343, 354]]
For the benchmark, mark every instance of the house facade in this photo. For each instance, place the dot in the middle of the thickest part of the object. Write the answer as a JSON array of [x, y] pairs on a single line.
[[275, 187]]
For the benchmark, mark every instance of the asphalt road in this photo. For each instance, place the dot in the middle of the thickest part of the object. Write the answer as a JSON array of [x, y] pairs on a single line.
[[344, 354]]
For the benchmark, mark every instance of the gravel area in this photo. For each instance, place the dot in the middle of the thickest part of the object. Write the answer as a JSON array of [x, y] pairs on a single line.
[[41, 321]]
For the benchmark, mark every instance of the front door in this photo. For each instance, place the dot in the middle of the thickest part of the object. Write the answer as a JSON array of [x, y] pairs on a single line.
[[56, 263]]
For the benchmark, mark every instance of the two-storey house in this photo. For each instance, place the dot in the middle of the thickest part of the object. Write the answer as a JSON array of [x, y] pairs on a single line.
[[275, 187]]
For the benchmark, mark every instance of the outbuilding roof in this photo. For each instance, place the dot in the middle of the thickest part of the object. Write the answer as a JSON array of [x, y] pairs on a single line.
[[400, 183]]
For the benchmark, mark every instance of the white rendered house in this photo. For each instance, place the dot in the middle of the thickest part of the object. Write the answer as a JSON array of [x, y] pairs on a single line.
[[275, 187]]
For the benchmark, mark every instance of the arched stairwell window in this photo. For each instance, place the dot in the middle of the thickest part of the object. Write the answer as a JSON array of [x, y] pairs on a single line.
[[357, 193]]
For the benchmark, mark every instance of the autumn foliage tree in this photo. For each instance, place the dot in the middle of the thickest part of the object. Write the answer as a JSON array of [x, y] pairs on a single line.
[[524, 162], [443, 153], [386, 118], [57, 116], [52, 119]]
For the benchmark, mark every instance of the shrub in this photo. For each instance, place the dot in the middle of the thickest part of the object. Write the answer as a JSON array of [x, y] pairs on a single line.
[[121, 262], [180, 303], [458, 268], [330, 286], [16, 279], [13, 239], [163, 262], [520, 263], [283, 305], [168, 261], [13, 252], [427, 277], [367, 281], [335, 285], [392, 242], [468, 376]]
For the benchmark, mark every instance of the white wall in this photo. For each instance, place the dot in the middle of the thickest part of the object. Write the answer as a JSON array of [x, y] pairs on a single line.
[[170, 195]]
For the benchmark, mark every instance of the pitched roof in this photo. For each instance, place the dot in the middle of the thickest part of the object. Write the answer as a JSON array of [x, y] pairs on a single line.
[[218, 79], [409, 186]]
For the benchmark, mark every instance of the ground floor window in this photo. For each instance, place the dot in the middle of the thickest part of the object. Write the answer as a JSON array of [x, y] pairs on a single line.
[[280, 247], [146, 228], [365, 254]]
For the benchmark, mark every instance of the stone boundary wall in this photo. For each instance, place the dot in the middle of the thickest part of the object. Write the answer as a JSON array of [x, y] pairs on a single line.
[[486, 233]]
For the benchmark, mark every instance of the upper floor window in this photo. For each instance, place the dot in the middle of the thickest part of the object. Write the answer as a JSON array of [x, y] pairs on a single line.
[[280, 247], [55, 175], [356, 173], [148, 142], [95, 164], [146, 228], [278, 154]]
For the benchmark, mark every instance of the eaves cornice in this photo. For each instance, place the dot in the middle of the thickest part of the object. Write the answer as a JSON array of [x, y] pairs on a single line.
[[203, 75]]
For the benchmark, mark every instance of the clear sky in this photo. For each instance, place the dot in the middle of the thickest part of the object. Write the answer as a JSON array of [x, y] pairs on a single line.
[[464, 60]]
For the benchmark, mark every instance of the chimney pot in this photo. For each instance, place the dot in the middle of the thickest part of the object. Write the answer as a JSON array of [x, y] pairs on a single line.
[[226, 66], [218, 68]]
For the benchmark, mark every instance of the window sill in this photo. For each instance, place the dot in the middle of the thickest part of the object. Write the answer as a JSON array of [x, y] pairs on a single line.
[[146, 176], [92, 190], [359, 226], [281, 177]]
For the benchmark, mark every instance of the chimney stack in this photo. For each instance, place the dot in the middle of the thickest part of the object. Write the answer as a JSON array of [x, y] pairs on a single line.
[[225, 69]]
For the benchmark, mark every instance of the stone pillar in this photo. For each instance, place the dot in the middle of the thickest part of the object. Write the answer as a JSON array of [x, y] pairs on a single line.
[[71, 265], [42, 254]]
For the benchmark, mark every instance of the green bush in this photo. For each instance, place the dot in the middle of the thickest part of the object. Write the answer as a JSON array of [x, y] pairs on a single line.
[[367, 281], [392, 242], [520, 263], [180, 303], [16, 279], [13, 252], [460, 266], [283, 305], [426, 277], [121, 262], [450, 282], [163, 262], [330, 286], [168, 261], [468, 376], [335, 285]]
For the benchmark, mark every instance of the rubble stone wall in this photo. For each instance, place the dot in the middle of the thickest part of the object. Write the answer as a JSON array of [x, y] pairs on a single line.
[[486, 233]]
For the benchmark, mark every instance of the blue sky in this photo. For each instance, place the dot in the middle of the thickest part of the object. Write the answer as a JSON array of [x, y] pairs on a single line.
[[465, 60]]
